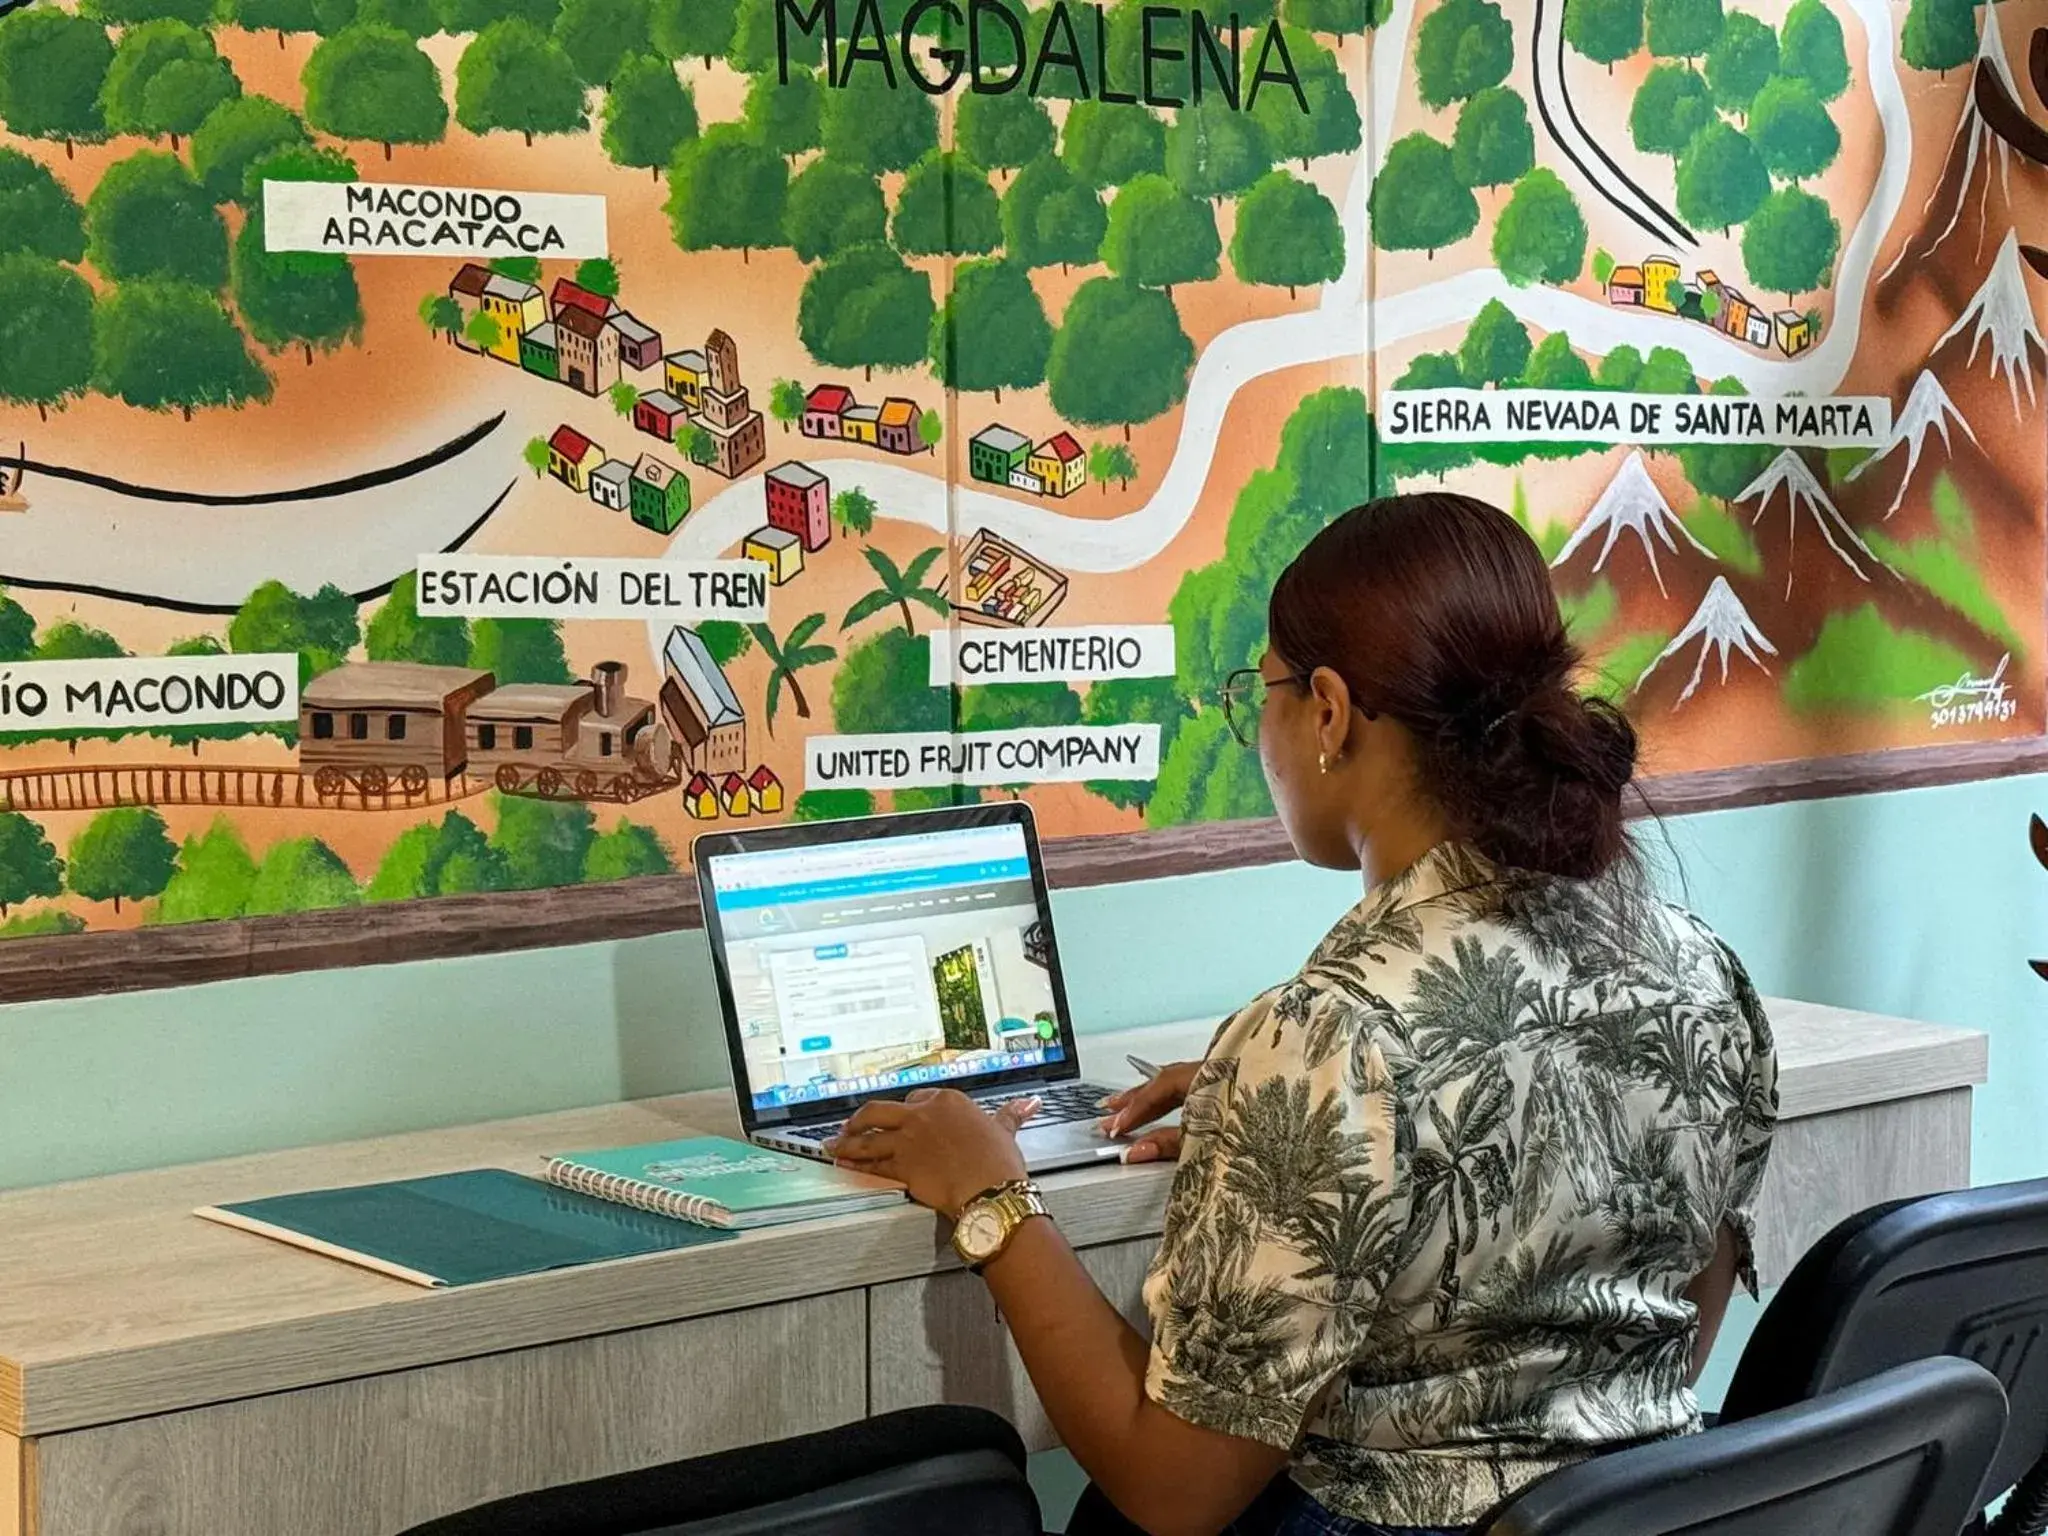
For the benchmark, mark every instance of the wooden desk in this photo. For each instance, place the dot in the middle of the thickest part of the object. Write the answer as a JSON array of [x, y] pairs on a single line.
[[162, 1376]]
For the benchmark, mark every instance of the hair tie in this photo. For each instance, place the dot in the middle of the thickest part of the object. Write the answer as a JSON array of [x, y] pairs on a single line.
[[1494, 725]]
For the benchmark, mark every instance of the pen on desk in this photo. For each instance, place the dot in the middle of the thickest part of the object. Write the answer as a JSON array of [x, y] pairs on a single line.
[[1144, 1067]]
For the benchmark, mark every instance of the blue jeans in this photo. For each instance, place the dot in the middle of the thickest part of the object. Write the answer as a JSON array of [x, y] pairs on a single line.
[[1282, 1510]]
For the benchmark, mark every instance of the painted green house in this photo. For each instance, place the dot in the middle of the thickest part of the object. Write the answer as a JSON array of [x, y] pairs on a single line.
[[661, 494], [994, 451], [538, 352]]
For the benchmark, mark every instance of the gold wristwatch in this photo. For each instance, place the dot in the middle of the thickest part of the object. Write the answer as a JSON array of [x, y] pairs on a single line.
[[988, 1221]]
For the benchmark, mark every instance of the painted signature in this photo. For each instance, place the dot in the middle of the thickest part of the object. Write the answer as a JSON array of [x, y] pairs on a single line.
[[1971, 698]]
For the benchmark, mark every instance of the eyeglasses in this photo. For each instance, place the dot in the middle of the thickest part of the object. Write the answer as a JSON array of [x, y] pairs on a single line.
[[1244, 700]]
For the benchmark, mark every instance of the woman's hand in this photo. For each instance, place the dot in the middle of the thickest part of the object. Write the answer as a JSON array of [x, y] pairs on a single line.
[[1149, 1101], [938, 1143]]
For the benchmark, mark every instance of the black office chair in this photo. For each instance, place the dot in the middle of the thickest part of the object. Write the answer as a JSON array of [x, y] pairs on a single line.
[[921, 1472], [1955, 1274], [1902, 1454]]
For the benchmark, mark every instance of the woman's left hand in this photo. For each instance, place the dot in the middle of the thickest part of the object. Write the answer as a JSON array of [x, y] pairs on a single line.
[[938, 1143]]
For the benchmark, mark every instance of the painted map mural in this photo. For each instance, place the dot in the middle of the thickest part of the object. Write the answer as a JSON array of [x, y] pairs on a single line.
[[456, 446]]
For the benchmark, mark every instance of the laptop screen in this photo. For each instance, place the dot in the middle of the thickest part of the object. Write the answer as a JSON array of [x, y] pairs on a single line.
[[885, 963]]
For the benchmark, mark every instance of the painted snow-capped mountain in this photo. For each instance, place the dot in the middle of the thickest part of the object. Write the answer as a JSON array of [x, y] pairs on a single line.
[[1928, 409], [1974, 138], [1806, 500], [2004, 320], [1631, 504], [1720, 625]]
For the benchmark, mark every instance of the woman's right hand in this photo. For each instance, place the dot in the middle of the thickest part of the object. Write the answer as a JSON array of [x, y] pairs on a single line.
[[1150, 1101]]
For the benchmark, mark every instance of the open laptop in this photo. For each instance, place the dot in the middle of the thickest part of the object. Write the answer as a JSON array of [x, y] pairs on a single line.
[[868, 958]]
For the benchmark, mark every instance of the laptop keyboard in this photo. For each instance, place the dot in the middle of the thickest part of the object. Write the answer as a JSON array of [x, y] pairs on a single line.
[[1058, 1105]]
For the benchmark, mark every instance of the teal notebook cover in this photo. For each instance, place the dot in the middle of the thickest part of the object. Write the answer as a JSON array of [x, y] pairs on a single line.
[[722, 1181], [462, 1228]]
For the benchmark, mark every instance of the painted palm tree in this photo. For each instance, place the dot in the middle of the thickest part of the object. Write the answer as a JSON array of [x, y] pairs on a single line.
[[901, 587], [789, 656]]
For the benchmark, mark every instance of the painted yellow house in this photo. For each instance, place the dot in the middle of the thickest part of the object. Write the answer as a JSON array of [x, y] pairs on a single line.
[[1059, 464], [734, 796], [1795, 332], [683, 375], [1660, 284], [518, 308], [778, 549], [700, 799], [766, 789], [573, 458]]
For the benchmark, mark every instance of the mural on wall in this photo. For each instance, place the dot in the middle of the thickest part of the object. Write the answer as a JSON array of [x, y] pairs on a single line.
[[456, 446]]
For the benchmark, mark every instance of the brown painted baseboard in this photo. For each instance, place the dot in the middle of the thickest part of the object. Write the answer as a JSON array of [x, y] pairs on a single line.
[[182, 955]]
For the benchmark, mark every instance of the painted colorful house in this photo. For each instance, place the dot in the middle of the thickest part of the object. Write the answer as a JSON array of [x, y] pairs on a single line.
[[611, 485], [639, 343], [700, 799], [1625, 286], [1756, 326], [683, 374], [766, 790], [699, 707], [660, 494], [995, 451], [1660, 283], [734, 798], [739, 440], [568, 295], [823, 407], [539, 352], [778, 549], [1059, 464], [466, 288], [589, 350], [799, 502], [896, 426], [858, 424], [659, 413], [1794, 330], [572, 458], [517, 307]]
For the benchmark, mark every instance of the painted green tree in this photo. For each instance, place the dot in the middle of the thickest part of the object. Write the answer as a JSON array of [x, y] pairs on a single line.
[[884, 684], [1555, 365], [1119, 355], [278, 16], [236, 135], [946, 208], [449, 857], [683, 29], [304, 299], [1671, 105], [513, 77], [853, 510], [148, 218], [466, 16], [1681, 29], [629, 851], [1051, 216], [53, 66], [375, 84], [898, 587], [38, 215], [46, 330], [415, 18], [398, 633], [543, 842], [1938, 35], [1810, 47], [1112, 461], [725, 640], [122, 855], [726, 192], [214, 879], [868, 124], [1108, 143], [1724, 470], [648, 112], [1496, 346], [1540, 236], [17, 630], [322, 627], [1493, 144], [1793, 132], [1337, 18], [1287, 234], [786, 402], [301, 874], [1213, 151], [1159, 235], [1002, 132], [165, 77], [1790, 243], [832, 804], [1741, 60], [1461, 48], [866, 309], [786, 116], [991, 333], [519, 650], [1605, 31], [1135, 701], [161, 345], [790, 654], [29, 866], [833, 207], [1330, 126], [1721, 178], [1417, 201], [597, 36]]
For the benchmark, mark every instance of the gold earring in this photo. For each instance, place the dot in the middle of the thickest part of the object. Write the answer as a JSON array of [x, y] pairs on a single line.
[[1323, 761]]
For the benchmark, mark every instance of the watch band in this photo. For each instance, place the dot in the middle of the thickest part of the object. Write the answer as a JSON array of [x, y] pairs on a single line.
[[1016, 1201]]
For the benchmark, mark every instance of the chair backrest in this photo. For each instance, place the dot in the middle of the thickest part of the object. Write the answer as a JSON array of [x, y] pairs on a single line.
[[1956, 1274], [1902, 1454], [921, 1472]]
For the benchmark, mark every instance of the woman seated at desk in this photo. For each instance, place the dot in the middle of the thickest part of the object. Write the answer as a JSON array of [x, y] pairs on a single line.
[[1462, 1202]]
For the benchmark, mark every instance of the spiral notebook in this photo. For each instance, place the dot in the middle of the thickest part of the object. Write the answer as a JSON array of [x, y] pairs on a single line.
[[720, 1182]]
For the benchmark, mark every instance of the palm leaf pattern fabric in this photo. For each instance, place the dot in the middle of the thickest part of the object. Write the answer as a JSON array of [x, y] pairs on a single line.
[[1441, 1193]]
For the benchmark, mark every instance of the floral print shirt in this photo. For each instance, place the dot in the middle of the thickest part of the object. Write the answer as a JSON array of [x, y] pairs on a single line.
[[1439, 1195]]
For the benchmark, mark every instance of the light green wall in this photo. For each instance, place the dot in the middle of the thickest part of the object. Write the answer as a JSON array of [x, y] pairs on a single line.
[[1924, 903]]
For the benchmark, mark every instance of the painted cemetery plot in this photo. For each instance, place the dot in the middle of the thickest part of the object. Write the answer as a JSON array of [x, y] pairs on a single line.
[[1031, 324]]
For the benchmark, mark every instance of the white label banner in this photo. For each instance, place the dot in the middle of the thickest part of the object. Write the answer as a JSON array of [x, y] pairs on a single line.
[[552, 587], [1605, 416], [1085, 654], [149, 692], [384, 218], [1060, 754]]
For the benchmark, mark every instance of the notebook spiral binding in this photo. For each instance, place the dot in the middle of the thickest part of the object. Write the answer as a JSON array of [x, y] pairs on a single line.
[[636, 1193]]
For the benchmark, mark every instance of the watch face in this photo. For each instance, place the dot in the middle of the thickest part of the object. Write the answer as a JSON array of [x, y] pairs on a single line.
[[979, 1233]]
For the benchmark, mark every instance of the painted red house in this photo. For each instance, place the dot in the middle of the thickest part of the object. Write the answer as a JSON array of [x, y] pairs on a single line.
[[799, 502], [823, 407], [658, 413], [568, 295]]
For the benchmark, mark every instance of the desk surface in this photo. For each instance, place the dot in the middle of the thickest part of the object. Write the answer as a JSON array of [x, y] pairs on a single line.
[[116, 1302]]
